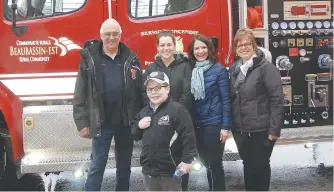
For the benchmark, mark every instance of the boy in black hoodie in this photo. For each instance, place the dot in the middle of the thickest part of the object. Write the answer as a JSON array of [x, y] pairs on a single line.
[[168, 137]]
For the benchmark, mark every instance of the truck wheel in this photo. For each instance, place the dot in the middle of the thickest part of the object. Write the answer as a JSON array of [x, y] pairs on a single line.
[[31, 182], [9, 180]]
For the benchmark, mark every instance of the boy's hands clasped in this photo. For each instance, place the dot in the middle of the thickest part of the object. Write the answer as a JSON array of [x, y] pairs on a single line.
[[144, 123]]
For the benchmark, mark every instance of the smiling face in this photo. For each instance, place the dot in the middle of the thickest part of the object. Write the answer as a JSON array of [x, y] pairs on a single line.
[[244, 49], [166, 47], [110, 36], [201, 52], [245, 44], [156, 92]]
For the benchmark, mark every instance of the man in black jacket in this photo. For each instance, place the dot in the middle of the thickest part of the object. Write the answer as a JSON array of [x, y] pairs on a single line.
[[107, 97], [168, 137]]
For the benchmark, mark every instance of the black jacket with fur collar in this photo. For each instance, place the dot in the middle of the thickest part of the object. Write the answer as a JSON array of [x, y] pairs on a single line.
[[257, 104]]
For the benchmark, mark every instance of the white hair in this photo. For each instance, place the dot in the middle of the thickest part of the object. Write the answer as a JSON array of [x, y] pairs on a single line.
[[110, 21]]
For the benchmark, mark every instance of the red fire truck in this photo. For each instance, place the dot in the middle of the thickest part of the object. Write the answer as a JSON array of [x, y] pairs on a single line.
[[39, 58]]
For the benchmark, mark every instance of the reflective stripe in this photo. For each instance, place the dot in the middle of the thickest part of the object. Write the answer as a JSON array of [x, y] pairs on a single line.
[[41, 86], [173, 139], [38, 75], [170, 144], [39, 98]]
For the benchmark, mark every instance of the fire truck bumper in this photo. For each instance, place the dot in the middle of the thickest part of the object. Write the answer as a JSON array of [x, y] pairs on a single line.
[[51, 142]]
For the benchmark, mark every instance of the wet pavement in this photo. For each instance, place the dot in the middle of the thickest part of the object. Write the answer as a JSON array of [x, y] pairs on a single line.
[[295, 167]]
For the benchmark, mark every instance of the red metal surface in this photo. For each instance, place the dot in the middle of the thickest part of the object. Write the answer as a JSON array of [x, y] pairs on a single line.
[[309, 10], [210, 19], [77, 27], [296, 10], [11, 108], [254, 16], [318, 6], [205, 20]]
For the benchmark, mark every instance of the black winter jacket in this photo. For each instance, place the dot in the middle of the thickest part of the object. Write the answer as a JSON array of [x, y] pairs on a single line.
[[257, 105], [179, 74], [168, 141], [88, 106]]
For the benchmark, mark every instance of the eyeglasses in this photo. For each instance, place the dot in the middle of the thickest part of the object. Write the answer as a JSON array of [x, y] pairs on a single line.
[[244, 45], [155, 89], [109, 34]]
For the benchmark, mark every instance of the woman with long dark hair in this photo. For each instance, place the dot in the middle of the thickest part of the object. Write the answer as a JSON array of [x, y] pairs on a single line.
[[212, 118]]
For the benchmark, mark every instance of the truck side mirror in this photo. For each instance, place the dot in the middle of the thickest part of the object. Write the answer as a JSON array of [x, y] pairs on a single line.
[[17, 30]]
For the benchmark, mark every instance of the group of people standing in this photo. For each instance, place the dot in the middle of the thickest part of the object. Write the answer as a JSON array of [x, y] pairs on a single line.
[[183, 105]]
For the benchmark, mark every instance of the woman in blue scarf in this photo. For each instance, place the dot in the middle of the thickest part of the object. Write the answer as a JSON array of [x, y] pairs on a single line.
[[210, 88]]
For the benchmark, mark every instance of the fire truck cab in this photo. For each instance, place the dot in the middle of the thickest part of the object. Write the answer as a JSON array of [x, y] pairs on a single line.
[[39, 59]]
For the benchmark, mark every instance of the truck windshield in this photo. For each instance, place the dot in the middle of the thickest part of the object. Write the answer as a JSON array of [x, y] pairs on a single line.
[[174, 6]]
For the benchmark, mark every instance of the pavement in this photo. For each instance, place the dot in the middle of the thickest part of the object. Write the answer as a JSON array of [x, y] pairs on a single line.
[[295, 167]]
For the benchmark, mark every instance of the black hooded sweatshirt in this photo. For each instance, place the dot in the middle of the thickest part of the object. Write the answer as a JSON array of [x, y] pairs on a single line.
[[179, 74]]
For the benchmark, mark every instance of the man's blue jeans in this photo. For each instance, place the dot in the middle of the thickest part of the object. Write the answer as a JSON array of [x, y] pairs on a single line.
[[99, 157]]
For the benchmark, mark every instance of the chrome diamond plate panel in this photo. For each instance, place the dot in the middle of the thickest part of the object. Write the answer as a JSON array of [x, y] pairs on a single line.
[[53, 130]]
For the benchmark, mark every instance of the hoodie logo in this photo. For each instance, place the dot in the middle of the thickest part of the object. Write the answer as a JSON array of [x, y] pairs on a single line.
[[164, 120]]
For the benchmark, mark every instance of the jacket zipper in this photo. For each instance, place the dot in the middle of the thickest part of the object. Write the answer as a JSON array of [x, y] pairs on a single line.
[[126, 68], [94, 89], [242, 126], [125, 72]]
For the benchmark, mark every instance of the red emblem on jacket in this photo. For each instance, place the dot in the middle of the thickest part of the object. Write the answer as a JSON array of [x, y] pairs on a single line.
[[133, 73]]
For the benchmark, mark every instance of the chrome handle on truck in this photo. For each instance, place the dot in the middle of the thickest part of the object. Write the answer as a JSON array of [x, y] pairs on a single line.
[[109, 9], [227, 59]]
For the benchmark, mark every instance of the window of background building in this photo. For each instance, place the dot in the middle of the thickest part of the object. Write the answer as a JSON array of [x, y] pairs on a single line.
[[31, 9], [150, 8]]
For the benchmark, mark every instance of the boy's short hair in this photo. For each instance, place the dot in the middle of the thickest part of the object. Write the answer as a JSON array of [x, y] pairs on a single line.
[[159, 77]]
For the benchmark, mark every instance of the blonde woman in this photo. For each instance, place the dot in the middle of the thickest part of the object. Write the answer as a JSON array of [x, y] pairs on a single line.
[[257, 109]]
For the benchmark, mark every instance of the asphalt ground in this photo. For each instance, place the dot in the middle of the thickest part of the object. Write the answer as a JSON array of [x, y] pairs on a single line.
[[295, 167]]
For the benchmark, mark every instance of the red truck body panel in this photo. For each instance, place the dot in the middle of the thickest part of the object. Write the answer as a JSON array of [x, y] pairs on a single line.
[[52, 45]]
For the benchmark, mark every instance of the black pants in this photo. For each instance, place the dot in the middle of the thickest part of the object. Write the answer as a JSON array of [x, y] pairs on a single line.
[[255, 150], [162, 183], [185, 181], [211, 152]]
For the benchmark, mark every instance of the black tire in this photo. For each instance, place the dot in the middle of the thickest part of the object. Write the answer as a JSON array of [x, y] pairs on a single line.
[[31, 182], [9, 180]]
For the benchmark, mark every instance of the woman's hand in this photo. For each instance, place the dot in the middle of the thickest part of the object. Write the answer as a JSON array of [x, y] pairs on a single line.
[[224, 134]]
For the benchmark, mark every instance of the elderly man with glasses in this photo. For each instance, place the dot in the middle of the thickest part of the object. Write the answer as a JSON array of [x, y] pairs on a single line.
[[107, 97]]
